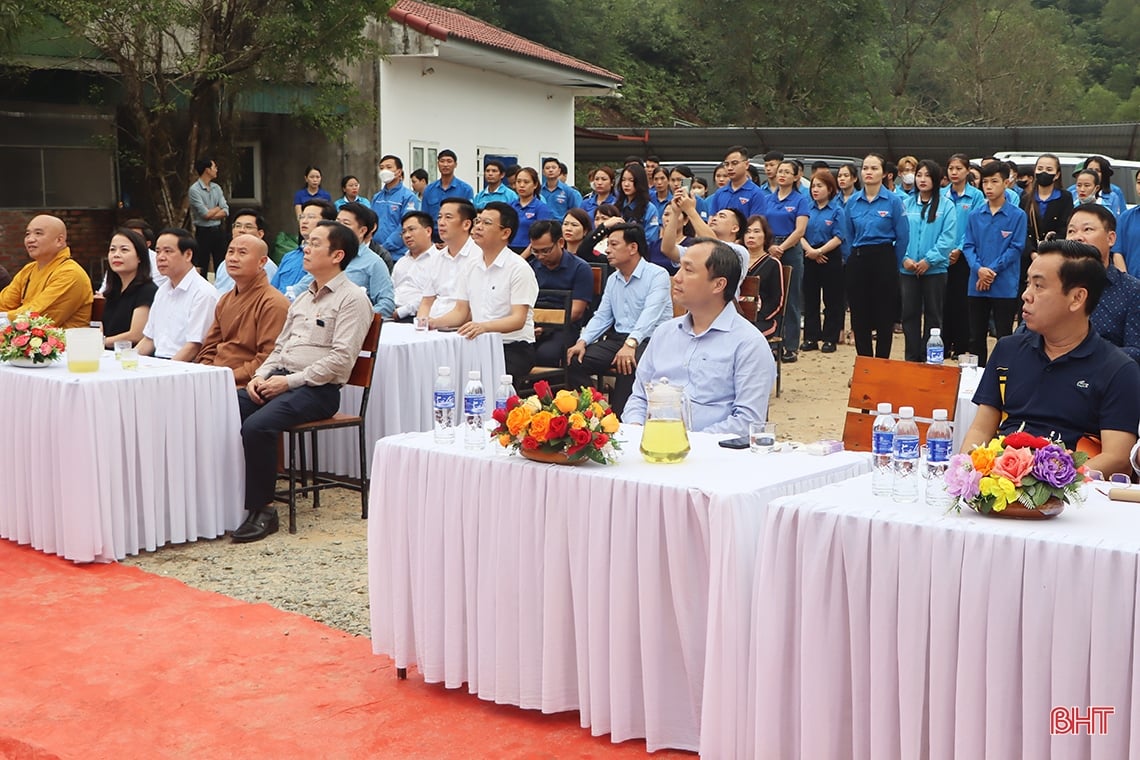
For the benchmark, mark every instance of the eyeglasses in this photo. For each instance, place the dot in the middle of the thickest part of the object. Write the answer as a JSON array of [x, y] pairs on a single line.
[[481, 222], [1116, 477]]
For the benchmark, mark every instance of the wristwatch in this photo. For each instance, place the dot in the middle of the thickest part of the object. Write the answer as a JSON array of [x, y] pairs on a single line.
[[631, 342]]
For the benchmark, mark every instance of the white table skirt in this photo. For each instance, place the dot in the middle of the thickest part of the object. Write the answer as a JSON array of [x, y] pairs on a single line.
[[402, 384], [106, 464], [623, 592], [898, 631], [966, 410]]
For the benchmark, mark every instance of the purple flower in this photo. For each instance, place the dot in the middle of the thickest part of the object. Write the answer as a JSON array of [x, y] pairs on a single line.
[[961, 478], [1053, 465]]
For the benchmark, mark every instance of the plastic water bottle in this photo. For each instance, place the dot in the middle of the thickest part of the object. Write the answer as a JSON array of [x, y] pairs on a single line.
[[935, 351], [938, 441], [882, 447], [443, 406], [3, 321], [505, 390], [905, 459], [474, 406]]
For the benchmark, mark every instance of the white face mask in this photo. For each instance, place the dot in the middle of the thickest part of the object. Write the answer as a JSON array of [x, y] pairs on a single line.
[[386, 176], [907, 179]]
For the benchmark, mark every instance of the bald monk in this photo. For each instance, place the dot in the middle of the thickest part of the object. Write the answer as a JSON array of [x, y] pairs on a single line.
[[247, 319], [53, 284]]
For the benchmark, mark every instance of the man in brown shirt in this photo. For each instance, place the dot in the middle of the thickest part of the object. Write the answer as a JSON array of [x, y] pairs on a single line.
[[248, 319], [300, 380]]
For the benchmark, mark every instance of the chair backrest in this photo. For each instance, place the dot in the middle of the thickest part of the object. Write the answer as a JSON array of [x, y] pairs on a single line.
[[926, 387], [97, 306], [554, 316], [601, 273], [361, 375], [749, 302]]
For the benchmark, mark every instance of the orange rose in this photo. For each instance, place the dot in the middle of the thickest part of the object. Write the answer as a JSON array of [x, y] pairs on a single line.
[[566, 401], [540, 426], [517, 419], [610, 423], [504, 440], [983, 459]]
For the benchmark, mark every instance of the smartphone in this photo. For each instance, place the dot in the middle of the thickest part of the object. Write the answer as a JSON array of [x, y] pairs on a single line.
[[447, 329], [687, 183], [734, 443]]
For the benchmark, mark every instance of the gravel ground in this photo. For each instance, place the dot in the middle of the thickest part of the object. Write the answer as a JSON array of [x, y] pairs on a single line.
[[322, 571]]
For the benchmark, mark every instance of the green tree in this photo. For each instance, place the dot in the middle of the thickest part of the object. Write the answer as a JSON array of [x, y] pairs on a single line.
[[180, 65]]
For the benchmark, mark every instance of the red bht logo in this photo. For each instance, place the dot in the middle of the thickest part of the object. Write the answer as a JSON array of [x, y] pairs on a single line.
[[1069, 720]]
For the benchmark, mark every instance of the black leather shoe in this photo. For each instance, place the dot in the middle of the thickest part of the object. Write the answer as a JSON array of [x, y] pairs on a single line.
[[828, 348], [257, 527], [809, 345], [789, 357]]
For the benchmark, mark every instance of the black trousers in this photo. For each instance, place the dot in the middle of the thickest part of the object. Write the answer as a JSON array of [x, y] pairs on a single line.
[[600, 358], [518, 355], [262, 423], [873, 295], [1003, 311], [922, 299], [828, 280], [955, 314], [212, 243], [550, 347]]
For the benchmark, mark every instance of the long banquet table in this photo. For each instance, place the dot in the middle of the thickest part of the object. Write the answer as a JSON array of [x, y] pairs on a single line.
[[402, 384], [102, 465], [622, 592], [906, 631]]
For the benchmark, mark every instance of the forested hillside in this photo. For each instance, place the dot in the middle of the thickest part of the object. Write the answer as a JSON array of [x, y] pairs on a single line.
[[856, 62]]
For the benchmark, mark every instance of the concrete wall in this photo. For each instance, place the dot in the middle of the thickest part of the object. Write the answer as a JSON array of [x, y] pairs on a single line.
[[467, 109]]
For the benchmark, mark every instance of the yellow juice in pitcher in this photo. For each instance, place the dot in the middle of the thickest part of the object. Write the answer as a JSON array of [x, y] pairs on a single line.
[[664, 441], [82, 365]]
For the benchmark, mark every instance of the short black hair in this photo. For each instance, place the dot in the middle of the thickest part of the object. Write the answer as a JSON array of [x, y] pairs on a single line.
[[737, 149], [653, 158], [186, 241], [465, 207], [446, 153], [397, 159], [423, 217], [364, 216], [992, 168], [341, 238], [1081, 268], [202, 164], [142, 227], [497, 164], [547, 160], [545, 226], [741, 224], [508, 217], [1106, 217], [632, 233], [817, 165], [420, 174], [722, 262], [328, 210], [773, 155], [258, 219]]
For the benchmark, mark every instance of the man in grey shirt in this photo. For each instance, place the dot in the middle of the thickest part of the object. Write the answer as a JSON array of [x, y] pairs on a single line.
[[208, 209], [300, 380]]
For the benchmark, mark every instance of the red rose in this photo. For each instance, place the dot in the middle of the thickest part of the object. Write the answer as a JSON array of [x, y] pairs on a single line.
[[1023, 440], [558, 426], [600, 440], [580, 437], [530, 443], [33, 314], [512, 402], [574, 450], [37, 332], [596, 395], [542, 390], [499, 416]]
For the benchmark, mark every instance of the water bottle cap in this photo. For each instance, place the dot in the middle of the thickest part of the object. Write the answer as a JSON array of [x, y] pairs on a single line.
[[445, 371], [935, 331], [884, 408], [473, 375], [506, 379], [940, 415], [906, 411]]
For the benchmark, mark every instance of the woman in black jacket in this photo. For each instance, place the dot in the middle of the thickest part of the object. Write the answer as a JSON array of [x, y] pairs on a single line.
[[1047, 205]]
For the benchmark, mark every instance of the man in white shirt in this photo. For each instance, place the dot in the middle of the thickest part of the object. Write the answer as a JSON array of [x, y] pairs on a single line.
[[456, 217], [184, 305], [411, 277], [498, 290]]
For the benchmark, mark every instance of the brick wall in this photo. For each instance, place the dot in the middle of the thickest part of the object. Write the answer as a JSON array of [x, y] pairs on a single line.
[[88, 234]]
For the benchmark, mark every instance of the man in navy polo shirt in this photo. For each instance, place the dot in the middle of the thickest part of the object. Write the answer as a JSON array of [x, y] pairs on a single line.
[[741, 193], [447, 186], [556, 193], [557, 269], [1059, 377]]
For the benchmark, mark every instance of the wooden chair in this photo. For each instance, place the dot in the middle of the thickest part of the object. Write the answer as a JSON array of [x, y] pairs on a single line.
[[297, 467], [97, 305], [601, 273], [776, 339], [552, 319], [925, 387], [749, 302]]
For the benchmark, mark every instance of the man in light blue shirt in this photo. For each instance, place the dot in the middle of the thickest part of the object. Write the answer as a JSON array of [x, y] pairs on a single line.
[[391, 204], [720, 358], [246, 221], [291, 269], [366, 269], [447, 186], [493, 187], [635, 301], [556, 193]]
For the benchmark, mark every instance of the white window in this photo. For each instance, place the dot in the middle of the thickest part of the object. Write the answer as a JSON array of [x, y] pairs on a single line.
[[424, 157], [246, 175]]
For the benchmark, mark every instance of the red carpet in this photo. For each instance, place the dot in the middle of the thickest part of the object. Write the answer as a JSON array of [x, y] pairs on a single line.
[[107, 661]]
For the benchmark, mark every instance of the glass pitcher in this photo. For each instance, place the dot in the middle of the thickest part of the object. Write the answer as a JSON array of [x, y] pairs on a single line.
[[664, 439]]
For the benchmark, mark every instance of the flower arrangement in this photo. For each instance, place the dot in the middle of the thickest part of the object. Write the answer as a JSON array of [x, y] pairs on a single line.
[[33, 337], [579, 424], [1017, 468]]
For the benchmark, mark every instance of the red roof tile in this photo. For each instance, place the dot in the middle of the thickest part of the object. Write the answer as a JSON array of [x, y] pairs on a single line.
[[442, 23]]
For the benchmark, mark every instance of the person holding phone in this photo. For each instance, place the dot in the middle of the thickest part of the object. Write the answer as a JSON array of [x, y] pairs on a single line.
[[682, 176]]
